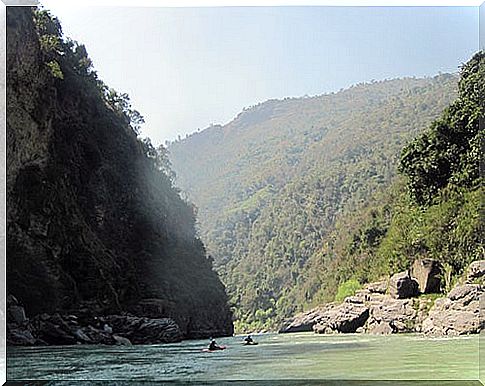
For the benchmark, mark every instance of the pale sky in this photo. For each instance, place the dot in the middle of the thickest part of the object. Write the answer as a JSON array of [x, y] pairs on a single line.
[[185, 68]]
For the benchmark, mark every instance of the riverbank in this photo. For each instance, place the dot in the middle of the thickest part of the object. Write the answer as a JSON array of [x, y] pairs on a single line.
[[58, 329], [401, 304], [89, 328]]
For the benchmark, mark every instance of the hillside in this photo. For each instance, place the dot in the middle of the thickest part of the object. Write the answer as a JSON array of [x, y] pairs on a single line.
[[272, 185], [94, 223], [431, 216]]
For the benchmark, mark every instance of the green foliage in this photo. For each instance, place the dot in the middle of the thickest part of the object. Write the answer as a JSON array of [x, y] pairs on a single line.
[[437, 212], [65, 57], [121, 103], [347, 288], [55, 69], [49, 43], [448, 231], [440, 217], [81, 61], [159, 158], [50, 33], [46, 23], [260, 320], [449, 151], [429, 300], [283, 188], [300, 215]]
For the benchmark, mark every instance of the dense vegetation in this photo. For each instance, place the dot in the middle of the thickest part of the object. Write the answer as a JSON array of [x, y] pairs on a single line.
[[442, 202], [434, 210], [94, 223], [293, 194]]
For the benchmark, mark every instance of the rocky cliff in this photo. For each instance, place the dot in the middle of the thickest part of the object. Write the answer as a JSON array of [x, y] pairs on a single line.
[[94, 225]]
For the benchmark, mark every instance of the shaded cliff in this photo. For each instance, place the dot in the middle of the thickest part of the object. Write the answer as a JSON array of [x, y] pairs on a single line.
[[94, 224]]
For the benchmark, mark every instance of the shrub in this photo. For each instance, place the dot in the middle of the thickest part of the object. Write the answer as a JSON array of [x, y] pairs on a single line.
[[346, 289], [55, 69]]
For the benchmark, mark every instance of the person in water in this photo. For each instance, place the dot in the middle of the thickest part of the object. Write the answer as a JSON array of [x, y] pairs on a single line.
[[249, 340], [213, 345]]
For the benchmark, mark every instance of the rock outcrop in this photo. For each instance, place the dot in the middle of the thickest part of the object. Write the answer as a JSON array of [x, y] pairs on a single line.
[[305, 321], [476, 272], [403, 286], [346, 317], [372, 310], [57, 329], [460, 311], [144, 330], [93, 224], [391, 316], [427, 273]]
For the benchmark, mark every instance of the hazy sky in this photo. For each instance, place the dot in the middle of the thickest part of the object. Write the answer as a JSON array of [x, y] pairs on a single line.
[[185, 68]]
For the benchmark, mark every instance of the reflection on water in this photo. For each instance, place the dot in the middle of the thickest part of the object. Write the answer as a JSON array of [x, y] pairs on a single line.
[[279, 358]]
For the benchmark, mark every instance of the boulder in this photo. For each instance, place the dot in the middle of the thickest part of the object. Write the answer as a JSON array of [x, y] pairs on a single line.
[[304, 322], [403, 286], [346, 317], [476, 271], [20, 337], [12, 300], [121, 341], [55, 335], [381, 328], [16, 314], [427, 273], [98, 336], [81, 336], [64, 330], [373, 311], [391, 316], [87, 328], [378, 287], [456, 314], [144, 330]]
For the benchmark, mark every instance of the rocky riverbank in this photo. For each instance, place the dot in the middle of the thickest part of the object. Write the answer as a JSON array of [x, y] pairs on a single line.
[[58, 329], [406, 302]]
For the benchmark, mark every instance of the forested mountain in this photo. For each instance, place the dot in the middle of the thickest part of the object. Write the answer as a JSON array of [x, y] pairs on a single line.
[[277, 185], [94, 223]]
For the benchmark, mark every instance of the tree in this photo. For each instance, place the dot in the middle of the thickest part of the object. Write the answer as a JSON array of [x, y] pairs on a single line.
[[449, 151]]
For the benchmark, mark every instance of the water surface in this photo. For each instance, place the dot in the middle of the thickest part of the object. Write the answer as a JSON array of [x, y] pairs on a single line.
[[277, 357]]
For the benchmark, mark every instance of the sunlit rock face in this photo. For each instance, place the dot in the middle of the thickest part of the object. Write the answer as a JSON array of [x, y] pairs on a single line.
[[373, 310], [428, 273], [93, 227]]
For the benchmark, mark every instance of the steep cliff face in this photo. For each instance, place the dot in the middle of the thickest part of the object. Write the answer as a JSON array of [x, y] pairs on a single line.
[[93, 225]]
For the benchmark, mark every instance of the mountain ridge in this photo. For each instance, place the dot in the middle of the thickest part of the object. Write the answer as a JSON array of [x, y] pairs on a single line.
[[295, 168]]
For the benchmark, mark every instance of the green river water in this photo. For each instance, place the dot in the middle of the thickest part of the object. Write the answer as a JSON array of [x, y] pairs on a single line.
[[283, 357]]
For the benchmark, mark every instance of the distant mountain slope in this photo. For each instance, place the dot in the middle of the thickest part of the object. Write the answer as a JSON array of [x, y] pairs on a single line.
[[93, 224], [271, 184]]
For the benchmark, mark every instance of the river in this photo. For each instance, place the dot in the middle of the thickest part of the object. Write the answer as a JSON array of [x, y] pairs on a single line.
[[301, 356]]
